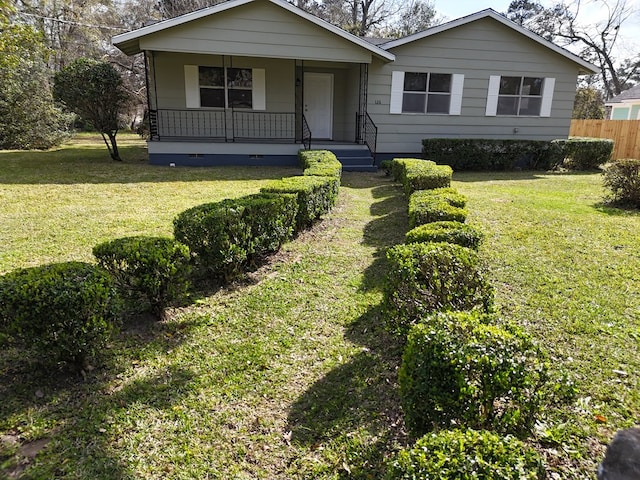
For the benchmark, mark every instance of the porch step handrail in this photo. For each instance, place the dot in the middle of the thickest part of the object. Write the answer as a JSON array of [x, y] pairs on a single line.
[[306, 133], [367, 132]]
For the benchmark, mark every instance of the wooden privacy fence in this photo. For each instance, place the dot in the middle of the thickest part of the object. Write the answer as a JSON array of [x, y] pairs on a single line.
[[625, 133]]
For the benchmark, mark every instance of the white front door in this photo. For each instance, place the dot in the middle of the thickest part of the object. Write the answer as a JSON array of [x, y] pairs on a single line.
[[318, 104]]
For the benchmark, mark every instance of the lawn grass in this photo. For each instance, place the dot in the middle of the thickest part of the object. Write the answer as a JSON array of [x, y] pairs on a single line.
[[289, 374]]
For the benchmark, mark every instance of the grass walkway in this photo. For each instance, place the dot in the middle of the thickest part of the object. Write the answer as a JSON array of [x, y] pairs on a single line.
[[290, 374]]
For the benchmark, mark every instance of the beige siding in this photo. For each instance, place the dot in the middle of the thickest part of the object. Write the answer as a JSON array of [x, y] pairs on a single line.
[[259, 29], [476, 50], [170, 87]]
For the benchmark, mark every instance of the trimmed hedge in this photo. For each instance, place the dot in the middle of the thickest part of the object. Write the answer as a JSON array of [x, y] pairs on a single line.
[[429, 277], [457, 369], [446, 231], [320, 163], [416, 174], [63, 311], [315, 196], [583, 153], [467, 454], [152, 269], [488, 154], [622, 178], [442, 204], [228, 236], [399, 167]]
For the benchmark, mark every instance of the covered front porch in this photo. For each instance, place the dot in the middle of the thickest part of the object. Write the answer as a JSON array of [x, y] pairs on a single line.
[[278, 107]]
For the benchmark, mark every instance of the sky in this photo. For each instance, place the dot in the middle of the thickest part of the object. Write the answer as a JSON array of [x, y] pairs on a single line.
[[629, 42]]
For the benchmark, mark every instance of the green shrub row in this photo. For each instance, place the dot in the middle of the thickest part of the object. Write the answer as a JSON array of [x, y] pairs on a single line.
[[471, 369], [416, 174], [319, 163], [66, 312], [227, 237], [462, 364], [63, 312], [149, 272], [440, 204], [463, 454], [423, 278], [578, 153], [479, 154], [446, 231], [622, 179], [315, 196]]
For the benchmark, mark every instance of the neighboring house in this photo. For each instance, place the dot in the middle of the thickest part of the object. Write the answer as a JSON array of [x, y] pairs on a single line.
[[253, 81], [625, 106]]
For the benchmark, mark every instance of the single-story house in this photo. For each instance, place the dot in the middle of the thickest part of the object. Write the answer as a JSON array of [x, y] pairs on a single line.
[[253, 81], [625, 106]]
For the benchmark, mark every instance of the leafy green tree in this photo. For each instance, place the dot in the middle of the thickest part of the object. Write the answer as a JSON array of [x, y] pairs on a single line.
[[28, 115], [95, 91], [588, 104]]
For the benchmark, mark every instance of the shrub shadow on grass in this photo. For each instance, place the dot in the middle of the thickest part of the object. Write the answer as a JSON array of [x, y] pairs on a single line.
[[83, 448], [388, 229], [362, 394], [617, 210], [35, 392]]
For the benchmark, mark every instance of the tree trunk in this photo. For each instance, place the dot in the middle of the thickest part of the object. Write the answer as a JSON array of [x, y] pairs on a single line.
[[111, 144]]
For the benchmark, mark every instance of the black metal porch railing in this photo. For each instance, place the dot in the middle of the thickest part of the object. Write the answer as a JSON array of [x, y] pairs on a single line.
[[367, 132], [264, 126], [227, 126], [190, 124]]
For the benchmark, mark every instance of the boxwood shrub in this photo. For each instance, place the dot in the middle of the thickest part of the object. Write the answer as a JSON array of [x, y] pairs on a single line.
[[227, 237], [416, 174], [581, 153], [446, 231], [400, 166], [316, 196], [467, 454], [622, 178], [64, 312], [320, 163], [152, 271], [442, 204], [458, 369], [427, 277], [489, 154]]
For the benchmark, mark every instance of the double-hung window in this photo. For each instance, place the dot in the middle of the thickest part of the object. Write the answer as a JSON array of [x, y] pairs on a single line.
[[426, 93], [520, 96], [225, 87]]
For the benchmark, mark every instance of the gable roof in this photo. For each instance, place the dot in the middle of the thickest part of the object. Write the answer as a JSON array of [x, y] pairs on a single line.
[[629, 95], [129, 42], [586, 67]]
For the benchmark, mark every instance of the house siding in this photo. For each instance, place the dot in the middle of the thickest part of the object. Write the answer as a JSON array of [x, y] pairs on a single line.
[[259, 29], [477, 50]]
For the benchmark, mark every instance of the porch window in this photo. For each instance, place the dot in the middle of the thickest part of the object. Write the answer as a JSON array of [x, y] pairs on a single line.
[[426, 93], [220, 87], [520, 96]]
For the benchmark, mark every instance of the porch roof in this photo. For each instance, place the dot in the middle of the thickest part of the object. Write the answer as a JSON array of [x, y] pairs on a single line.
[[134, 42]]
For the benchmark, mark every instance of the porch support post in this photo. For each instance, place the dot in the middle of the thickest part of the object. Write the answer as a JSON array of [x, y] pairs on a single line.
[[362, 107], [299, 98]]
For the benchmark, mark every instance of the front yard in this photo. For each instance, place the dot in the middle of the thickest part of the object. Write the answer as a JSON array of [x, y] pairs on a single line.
[[290, 374]]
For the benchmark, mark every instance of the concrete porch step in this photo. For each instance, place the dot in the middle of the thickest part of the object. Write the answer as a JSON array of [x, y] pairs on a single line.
[[355, 160]]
